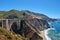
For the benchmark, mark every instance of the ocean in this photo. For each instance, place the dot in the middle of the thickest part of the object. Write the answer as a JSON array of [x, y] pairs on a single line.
[[53, 33]]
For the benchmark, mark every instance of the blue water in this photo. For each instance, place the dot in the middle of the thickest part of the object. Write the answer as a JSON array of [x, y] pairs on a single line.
[[54, 34]]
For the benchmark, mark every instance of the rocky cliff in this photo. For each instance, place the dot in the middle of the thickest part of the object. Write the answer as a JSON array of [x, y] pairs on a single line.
[[31, 27]]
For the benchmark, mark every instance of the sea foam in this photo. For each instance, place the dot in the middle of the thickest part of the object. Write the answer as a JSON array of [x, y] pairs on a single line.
[[46, 33]]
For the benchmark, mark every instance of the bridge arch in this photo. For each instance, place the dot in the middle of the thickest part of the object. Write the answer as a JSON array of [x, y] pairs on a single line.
[[14, 27]]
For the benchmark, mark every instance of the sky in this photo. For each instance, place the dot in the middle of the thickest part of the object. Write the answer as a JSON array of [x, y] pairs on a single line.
[[51, 8]]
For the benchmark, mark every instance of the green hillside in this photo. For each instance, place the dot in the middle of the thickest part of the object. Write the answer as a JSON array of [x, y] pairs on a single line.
[[16, 14]]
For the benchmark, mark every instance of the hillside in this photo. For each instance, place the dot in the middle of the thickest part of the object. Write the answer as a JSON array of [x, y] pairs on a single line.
[[28, 25], [29, 29], [12, 14], [7, 35]]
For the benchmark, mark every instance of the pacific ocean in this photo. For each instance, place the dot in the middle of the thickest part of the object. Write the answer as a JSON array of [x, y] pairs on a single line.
[[54, 34]]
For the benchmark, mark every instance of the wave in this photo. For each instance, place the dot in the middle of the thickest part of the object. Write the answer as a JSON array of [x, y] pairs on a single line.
[[46, 33]]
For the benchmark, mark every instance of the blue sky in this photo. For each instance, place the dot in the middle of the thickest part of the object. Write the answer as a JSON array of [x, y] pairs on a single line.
[[50, 8]]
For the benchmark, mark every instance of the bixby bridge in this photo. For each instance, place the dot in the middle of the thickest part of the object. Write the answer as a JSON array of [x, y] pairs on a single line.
[[8, 23]]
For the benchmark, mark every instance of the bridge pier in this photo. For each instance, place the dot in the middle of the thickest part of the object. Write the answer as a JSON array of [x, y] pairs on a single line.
[[4, 23], [7, 23]]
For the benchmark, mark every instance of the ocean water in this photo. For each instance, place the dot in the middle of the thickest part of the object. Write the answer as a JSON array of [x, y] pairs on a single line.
[[54, 34]]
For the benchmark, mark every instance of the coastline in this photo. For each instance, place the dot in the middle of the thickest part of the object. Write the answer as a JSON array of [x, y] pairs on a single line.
[[44, 34]]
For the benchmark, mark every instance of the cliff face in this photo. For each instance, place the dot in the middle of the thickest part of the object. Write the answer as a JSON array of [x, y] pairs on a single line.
[[38, 23], [31, 28]]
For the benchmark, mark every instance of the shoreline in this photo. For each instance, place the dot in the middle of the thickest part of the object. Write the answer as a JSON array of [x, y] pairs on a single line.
[[44, 34]]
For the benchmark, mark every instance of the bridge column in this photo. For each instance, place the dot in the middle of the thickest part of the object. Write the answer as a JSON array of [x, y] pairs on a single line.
[[19, 24], [4, 23], [7, 24]]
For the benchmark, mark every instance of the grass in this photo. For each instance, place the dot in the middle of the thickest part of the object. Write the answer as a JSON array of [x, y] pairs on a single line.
[[10, 35]]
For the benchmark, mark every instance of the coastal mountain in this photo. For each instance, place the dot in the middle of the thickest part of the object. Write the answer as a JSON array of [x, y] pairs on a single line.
[[24, 24], [13, 14]]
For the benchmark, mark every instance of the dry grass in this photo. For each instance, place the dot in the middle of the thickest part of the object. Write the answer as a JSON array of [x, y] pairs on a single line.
[[7, 35]]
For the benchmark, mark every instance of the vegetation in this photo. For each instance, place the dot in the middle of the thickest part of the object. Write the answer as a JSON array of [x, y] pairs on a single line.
[[18, 14], [14, 14], [7, 35]]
